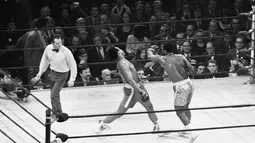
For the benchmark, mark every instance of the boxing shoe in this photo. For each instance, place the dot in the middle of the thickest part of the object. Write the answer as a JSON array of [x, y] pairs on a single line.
[[156, 128], [101, 127]]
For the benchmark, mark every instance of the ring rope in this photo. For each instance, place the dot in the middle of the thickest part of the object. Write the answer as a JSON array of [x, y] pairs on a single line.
[[159, 22], [162, 131], [25, 110], [149, 78], [122, 43], [20, 126], [25, 90], [112, 62], [22, 106], [163, 111], [7, 136]]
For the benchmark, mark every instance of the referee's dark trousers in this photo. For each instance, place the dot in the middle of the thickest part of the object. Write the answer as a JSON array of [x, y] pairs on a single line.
[[58, 80]]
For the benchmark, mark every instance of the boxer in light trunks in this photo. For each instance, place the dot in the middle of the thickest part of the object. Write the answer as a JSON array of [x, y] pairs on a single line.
[[134, 91], [178, 69]]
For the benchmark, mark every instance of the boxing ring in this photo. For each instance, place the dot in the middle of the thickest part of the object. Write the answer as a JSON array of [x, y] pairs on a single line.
[[105, 99], [223, 110]]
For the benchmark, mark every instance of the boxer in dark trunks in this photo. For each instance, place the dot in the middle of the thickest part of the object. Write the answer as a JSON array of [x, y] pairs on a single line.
[[178, 69], [134, 91]]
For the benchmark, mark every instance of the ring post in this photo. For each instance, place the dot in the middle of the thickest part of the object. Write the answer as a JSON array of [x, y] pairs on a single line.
[[252, 43], [48, 126]]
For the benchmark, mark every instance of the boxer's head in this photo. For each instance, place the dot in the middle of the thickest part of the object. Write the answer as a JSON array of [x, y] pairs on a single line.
[[168, 48], [116, 53]]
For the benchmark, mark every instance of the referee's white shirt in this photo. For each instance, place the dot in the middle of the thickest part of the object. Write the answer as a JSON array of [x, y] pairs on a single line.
[[61, 61]]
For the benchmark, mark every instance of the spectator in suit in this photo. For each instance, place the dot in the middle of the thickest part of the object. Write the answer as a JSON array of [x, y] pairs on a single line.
[[85, 78], [187, 53], [199, 24], [141, 75], [225, 23], [190, 33], [163, 35], [34, 39], [223, 63], [179, 43], [213, 33], [175, 27], [65, 19], [235, 26], [11, 58], [121, 8], [44, 12], [81, 57], [211, 10], [227, 43], [215, 72], [98, 53], [153, 27], [240, 7], [106, 76], [75, 43], [199, 45], [93, 19], [185, 15], [84, 37], [148, 9], [239, 52], [201, 69], [158, 10], [76, 11], [114, 18], [61, 32], [80, 24], [139, 15]]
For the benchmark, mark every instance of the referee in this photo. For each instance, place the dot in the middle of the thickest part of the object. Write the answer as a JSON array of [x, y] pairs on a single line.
[[61, 60]]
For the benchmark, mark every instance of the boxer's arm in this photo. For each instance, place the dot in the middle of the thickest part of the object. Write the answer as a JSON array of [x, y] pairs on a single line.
[[155, 58], [125, 71], [188, 64]]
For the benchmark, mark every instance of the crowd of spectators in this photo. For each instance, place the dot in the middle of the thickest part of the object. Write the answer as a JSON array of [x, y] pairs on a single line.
[[119, 24]]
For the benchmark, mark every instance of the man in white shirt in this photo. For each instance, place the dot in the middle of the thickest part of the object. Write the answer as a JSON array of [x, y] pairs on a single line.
[[61, 60]]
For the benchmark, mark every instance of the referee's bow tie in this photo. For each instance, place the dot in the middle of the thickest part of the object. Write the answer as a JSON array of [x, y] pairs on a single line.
[[55, 50]]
